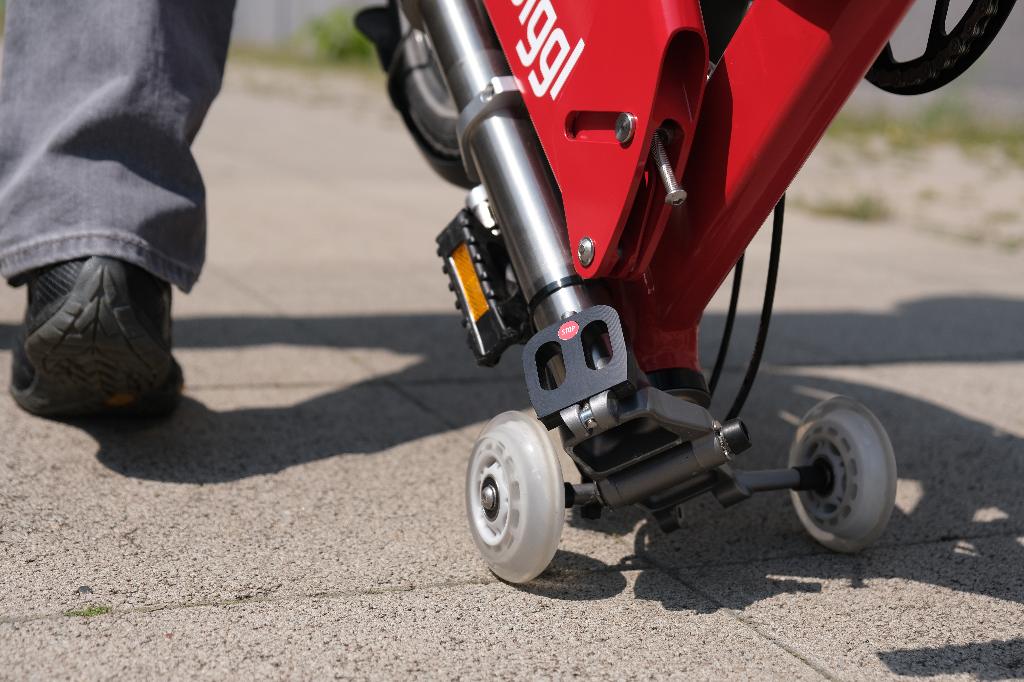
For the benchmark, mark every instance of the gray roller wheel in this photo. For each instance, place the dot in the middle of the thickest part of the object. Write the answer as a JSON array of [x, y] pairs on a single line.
[[846, 438]]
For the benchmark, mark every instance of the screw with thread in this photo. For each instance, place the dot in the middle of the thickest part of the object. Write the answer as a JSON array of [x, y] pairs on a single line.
[[674, 194]]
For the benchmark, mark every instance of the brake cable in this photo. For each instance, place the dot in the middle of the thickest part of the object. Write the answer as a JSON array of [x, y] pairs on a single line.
[[723, 346], [766, 315], [947, 56]]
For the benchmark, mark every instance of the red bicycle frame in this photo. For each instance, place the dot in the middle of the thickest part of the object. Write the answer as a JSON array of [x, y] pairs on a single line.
[[738, 138]]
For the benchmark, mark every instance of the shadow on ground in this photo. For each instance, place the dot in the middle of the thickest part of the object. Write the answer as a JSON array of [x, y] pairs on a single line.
[[960, 475], [996, 660], [443, 391], [959, 517]]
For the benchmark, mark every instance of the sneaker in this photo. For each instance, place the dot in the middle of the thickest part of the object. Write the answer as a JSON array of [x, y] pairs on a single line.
[[96, 340]]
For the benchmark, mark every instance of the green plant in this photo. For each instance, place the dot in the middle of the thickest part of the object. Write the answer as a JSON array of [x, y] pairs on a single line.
[[1002, 217], [861, 208], [945, 121], [1013, 244], [88, 611], [334, 37]]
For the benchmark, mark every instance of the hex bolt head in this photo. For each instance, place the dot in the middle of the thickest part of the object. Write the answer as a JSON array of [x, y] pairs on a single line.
[[585, 251], [625, 127]]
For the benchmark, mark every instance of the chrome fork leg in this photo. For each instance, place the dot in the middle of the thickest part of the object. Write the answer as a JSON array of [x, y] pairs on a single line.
[[500, 145]]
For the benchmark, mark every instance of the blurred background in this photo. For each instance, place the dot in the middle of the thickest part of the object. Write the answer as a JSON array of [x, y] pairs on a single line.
[[964, 141], [963, 138], [949, 163]]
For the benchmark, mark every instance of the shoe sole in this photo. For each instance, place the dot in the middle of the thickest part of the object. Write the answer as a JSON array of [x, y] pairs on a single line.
[[93, 356]]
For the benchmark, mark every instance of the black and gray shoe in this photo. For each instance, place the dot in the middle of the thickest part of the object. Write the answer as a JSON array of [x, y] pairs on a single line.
[[96, 340]]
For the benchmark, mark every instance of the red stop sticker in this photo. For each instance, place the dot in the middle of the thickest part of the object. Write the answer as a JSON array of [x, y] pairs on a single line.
[[568, 330]]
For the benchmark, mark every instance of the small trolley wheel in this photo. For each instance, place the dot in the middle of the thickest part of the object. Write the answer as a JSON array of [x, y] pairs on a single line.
[[847, 440], [515, 497]]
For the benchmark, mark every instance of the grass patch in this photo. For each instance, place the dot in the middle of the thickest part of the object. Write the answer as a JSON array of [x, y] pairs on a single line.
[[862, 208], [946, 121], [89, 611], [284, 57], [327, 42], [1013, 244], [1004, 217], [334, 37]]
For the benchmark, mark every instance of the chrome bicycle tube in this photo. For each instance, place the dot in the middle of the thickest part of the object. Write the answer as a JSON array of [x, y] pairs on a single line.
[[501, 146]]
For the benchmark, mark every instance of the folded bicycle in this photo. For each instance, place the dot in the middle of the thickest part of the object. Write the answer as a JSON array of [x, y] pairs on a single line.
[[620, 155]]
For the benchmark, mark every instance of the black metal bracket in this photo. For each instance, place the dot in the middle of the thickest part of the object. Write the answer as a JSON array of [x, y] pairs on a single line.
[[589, 350]]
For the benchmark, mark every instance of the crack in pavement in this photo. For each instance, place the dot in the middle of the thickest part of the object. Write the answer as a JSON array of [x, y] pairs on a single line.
[[672, 572], [260, 598], [361, 362]]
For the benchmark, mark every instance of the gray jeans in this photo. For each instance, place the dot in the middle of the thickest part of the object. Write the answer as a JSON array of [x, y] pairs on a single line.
[[99, 103]]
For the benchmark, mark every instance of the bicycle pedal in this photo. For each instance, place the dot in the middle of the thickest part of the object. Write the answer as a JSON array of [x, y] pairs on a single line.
[[487, 294]]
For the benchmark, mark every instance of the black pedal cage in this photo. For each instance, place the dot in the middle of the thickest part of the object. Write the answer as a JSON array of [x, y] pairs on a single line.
[[505, 322]]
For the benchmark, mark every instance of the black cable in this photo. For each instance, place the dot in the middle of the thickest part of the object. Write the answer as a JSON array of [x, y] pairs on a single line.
[[766, 311], [723, 346]]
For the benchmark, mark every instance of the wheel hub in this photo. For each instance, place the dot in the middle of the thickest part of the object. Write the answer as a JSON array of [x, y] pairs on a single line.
[[490, 500], [826, 451]]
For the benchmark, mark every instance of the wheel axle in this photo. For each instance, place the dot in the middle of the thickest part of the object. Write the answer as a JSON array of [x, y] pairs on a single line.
[[489, 498]]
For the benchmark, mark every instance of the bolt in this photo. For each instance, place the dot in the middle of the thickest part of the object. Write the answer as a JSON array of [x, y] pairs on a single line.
[[586, 415], [625, 127], [674, 194], [585, 251], [489, 498]]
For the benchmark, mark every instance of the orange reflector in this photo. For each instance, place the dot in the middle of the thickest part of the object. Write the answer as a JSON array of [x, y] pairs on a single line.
[[471, 289]]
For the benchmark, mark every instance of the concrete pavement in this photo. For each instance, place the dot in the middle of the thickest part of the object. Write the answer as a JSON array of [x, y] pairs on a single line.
[[302, 514]]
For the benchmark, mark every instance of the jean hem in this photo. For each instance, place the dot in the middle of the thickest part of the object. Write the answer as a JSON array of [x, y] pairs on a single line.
[[21, 259]]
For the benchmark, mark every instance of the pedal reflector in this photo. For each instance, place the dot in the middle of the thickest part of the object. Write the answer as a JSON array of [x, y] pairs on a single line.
[[493, 310], [472, 292]]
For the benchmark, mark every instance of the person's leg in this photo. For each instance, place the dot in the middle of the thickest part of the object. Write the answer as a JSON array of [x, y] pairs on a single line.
[[101, 203], [99, 104]]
